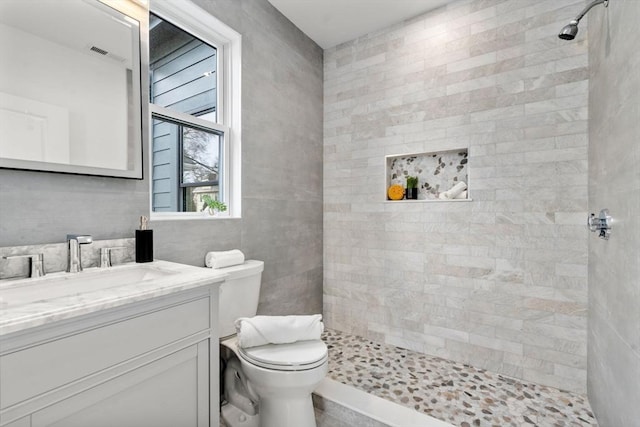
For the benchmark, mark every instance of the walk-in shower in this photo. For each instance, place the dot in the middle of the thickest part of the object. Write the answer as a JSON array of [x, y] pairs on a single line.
[[569, 31]]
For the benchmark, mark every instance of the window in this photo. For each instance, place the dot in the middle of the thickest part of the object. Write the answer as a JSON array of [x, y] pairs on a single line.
[[194, 66]]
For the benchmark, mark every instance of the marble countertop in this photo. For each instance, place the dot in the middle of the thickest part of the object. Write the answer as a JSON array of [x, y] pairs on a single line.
[[28, 303]]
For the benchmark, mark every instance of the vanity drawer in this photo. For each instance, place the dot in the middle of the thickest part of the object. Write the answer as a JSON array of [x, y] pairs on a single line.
[[35, 370]]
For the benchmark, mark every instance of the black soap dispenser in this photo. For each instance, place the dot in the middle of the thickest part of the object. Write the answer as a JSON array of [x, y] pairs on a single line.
[[144, 242]]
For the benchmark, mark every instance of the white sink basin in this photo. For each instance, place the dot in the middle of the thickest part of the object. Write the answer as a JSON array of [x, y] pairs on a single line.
[[58, 285]]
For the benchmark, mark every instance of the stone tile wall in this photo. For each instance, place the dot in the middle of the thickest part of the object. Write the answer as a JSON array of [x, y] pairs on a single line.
[[614, 183], [499, 282]]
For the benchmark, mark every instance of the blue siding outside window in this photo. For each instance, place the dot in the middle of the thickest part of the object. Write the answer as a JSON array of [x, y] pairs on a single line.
[[182, 78]]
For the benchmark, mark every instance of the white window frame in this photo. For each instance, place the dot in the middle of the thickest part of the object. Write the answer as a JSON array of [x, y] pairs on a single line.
[[202, 25]]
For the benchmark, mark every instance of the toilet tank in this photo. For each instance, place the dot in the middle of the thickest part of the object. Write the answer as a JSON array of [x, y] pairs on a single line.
[[239, 294]]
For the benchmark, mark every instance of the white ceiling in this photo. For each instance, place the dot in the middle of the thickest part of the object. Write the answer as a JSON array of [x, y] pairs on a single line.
[[331, 22], [76, 25]]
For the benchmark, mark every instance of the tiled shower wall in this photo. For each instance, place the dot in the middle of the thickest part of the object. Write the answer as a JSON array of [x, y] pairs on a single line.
[[500, 281], [614, 183]]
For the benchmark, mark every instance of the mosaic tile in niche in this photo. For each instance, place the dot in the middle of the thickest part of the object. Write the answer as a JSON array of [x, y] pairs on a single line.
[[436, 172]]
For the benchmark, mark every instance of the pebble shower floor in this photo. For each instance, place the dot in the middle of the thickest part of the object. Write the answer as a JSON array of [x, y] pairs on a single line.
[[453, 392]]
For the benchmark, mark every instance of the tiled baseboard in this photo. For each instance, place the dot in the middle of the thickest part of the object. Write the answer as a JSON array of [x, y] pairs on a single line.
[[333, 414]]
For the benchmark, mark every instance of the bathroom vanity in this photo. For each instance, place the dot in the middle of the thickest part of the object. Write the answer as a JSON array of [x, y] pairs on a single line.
[[133, 345]]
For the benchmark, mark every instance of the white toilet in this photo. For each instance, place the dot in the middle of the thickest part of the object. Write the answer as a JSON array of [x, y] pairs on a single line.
[[269, 385]]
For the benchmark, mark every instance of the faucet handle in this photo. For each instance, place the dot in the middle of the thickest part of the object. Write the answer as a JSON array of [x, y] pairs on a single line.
[[36, 263], [105, 256]]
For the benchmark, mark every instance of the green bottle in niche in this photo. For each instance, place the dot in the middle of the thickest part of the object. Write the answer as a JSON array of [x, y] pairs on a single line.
[[411, 193], [144, 242]]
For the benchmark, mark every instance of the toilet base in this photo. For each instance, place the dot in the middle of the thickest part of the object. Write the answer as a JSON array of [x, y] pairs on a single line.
[[234, 417], [289, 412]]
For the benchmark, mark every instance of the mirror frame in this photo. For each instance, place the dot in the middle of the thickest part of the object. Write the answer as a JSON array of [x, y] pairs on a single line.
[[135, 11]]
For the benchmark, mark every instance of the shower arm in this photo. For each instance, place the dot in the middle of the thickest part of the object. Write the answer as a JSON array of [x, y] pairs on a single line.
[[588, 8]]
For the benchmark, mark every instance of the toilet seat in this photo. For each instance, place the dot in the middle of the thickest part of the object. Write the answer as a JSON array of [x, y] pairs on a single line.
[[297, 356]]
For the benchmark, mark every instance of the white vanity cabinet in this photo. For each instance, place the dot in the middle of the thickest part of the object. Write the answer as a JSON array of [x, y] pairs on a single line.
[[149, 363]]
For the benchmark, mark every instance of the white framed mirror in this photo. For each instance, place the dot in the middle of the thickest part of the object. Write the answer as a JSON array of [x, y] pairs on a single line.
[[70, 87]]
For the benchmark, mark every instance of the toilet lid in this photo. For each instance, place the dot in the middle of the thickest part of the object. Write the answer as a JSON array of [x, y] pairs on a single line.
[[297, 356]]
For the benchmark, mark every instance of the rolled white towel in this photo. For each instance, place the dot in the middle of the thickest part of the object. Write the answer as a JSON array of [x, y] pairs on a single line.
[[223, 259], [454, 191], [261, 330], [462, 195]]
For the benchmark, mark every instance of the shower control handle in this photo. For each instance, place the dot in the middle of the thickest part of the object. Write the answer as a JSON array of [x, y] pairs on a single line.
[[600, 224]]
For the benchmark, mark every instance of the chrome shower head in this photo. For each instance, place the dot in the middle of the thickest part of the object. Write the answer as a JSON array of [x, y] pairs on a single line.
[[569, 31]]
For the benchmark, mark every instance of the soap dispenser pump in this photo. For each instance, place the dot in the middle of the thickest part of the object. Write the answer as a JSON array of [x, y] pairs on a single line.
[[144, 241]]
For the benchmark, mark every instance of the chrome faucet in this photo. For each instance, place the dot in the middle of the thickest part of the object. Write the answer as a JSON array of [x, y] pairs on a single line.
[[74, 258]]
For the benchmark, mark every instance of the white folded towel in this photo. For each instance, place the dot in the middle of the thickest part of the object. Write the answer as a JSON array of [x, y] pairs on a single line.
[[453, 192], [223, 258], [261, 330], [462, 195]]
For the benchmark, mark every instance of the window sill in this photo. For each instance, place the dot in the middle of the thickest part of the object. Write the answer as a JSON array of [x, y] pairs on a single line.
[[181, 216], [429, 201]]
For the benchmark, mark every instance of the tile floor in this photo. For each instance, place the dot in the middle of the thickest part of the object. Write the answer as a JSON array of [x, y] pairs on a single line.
[[459, 394]]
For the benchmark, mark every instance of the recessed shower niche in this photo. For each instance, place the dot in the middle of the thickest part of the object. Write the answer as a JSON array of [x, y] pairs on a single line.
[[442, 175]]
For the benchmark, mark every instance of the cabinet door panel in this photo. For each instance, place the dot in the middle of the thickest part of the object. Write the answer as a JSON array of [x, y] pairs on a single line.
[[44, 367], [161, 394]]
